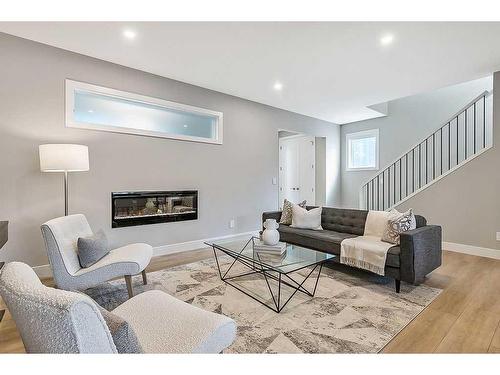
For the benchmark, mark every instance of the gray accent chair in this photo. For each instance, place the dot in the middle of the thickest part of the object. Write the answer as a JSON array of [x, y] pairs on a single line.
[[61, 237], [58, 321], [418, 254]]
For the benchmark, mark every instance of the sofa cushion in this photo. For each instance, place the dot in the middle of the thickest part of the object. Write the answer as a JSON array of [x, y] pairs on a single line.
[[327, 241], [324, 240], [343, 220]]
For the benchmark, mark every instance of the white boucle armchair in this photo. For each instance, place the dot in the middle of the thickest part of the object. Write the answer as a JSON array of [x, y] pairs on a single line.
[[59, 321], [61, 237]]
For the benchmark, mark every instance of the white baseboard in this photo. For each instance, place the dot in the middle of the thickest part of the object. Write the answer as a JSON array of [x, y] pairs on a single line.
[[196, 244], [472, 250], [45, 271]]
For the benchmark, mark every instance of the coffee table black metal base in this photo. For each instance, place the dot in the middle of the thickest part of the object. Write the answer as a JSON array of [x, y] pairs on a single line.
[[282, 278]]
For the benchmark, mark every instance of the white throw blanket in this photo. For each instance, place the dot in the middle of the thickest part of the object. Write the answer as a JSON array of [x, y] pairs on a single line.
[[366, 252]]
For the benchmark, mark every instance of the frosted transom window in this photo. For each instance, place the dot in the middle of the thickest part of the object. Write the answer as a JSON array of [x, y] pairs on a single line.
[[100, 108]]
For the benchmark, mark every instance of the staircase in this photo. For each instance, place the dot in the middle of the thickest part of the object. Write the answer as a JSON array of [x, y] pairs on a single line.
[[465, 136]]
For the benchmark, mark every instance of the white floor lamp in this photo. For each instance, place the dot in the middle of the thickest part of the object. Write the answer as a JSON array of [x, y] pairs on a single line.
[[64, 158]]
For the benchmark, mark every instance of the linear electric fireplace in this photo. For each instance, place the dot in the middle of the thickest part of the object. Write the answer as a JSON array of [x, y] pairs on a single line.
[[152, 207]]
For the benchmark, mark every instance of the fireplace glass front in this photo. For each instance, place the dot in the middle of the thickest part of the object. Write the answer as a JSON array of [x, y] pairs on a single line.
[[151, 207]]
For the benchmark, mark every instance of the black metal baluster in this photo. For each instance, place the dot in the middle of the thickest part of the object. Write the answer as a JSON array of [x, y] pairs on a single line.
[[449, 146], [465, 132], [474, 138], [378, 193], [484, 121], [426, 156], [413, 168], [441, 152], [400, 179], [394, 184], [367, 199], [373, 188], [388, 187], [406, 175], [433, 156], [457, 140], [419, 165], [383, 191]]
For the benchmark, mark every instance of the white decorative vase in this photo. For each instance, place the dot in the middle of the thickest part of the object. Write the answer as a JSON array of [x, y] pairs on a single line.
[[271, 236]]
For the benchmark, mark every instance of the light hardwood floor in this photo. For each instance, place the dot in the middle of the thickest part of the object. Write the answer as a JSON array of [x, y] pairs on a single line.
[[465, 318]]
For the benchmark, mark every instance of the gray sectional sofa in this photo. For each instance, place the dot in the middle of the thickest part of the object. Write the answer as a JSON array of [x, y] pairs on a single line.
[[418, 254]]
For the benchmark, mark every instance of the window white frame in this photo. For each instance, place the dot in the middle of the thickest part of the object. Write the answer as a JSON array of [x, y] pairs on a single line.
[[71, 122], [360, 135]]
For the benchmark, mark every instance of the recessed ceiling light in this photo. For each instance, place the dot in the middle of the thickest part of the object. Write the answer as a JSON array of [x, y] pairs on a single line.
[[129, 34], [278, 86], [90, 111], [185, 126], [386, 39]]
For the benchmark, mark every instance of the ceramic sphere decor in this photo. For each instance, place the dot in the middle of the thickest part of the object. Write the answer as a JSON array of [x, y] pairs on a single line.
[[271, 236]]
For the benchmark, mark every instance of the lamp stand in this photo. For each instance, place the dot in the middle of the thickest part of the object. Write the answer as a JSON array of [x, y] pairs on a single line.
[[65, 193]]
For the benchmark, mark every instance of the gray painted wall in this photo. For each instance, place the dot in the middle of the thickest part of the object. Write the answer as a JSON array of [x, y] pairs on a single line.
[[410, 119], [234, 179]]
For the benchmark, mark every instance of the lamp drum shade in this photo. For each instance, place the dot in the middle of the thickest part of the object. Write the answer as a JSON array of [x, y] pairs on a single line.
[[63, 158]]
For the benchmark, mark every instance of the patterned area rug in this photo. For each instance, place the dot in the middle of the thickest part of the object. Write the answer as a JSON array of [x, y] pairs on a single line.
[[352, 311]]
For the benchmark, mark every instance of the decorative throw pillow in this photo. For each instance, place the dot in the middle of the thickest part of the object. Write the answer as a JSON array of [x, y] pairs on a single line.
[[123, 335], [301, 218], [286, 214], [398, 223], [91, 249], [376, 223]]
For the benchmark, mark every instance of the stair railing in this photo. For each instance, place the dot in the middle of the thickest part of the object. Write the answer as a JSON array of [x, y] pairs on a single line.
[[463, 137]]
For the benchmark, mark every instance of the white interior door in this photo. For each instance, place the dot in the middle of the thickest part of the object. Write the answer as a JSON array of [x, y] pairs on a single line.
[[307, 172], [296, 169], [289, 170]]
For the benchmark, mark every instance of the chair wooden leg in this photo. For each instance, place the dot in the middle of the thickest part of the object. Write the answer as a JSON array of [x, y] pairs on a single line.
[[128, 281], [144, 278]]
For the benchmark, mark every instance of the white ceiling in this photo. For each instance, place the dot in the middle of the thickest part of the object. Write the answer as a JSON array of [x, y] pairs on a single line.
[[332, 71]]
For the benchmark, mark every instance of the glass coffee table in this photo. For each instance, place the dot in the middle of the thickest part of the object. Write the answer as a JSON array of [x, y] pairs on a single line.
[[279, 272]]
